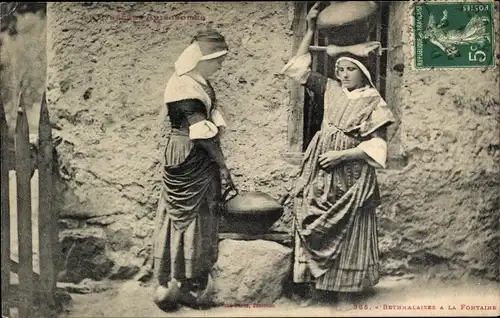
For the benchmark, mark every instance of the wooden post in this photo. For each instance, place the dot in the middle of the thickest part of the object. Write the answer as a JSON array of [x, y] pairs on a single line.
[[310, 105], [25, 237], [5, 210], [314, 65], [46, 230], [378, 37], [326, 67], [296, 118]]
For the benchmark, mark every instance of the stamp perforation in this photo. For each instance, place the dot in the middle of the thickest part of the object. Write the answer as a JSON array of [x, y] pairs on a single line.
[[452, 34]]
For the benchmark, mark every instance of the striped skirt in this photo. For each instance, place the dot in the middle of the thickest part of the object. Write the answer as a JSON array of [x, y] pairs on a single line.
[[357, 266]]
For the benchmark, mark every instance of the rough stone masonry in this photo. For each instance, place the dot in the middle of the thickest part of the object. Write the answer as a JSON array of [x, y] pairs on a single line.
[[105, 89]]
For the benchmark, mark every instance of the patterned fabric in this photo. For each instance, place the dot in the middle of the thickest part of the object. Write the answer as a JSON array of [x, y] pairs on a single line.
[[356, 268], [332, 199], [335, 221]]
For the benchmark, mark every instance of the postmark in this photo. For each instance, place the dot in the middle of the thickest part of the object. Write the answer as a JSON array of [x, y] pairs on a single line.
[[454, 35]]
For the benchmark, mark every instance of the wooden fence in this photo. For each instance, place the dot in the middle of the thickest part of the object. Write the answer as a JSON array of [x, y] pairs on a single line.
[[34, 295]]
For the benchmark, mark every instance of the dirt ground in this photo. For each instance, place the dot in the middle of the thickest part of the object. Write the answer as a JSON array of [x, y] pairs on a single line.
[[130, 299]]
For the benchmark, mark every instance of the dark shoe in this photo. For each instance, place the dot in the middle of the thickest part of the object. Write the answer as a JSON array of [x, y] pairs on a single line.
[[198, 296], [193, 300]]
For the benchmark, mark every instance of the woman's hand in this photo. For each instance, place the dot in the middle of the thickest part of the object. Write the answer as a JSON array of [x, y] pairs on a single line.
[[311, 17], [226, 179], [332, 158]]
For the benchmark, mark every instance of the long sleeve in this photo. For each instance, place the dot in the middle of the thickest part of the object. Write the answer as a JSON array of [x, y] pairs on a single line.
[[202, 131], [193, 113], [376, 148], [299, 69]]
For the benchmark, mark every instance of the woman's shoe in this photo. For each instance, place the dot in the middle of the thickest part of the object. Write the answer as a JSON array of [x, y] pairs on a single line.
[[167, 298], [204, 298], [195, 298]]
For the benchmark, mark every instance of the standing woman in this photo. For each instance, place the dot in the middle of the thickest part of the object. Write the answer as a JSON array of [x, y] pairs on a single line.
[[194, 175], [336, 244]]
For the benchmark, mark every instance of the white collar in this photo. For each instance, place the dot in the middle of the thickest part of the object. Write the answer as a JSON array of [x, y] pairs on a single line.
[[365, 91], [185, 87]]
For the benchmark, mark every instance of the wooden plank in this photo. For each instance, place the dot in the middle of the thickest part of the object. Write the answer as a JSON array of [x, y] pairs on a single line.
[[384, 22], [15, 299], [378, 36], [326, 58], [25, 237], [394, 85], [310, 100], [315, 54], [5, 208], [296, 117], [46, 216], [14, 268]]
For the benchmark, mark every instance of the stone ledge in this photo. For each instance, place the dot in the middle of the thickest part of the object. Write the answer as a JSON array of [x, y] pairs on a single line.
[[275, 237]]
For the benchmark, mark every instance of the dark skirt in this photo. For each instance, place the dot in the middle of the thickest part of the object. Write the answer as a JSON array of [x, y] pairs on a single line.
[[187, 220]]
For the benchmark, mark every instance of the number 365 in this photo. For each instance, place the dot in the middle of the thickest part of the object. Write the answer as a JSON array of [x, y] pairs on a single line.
[[476, 55]]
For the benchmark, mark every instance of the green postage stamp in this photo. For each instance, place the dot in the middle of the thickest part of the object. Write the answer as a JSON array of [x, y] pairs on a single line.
[[454, 34]]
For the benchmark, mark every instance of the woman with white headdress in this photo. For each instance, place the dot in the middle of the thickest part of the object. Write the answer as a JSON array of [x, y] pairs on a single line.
[[336, 245], [194, 176]]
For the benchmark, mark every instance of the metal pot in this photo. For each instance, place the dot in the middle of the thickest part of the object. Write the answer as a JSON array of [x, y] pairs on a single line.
[[251, 213]]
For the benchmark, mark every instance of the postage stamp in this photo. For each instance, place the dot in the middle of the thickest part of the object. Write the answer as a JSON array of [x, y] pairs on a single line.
[[454, 35]]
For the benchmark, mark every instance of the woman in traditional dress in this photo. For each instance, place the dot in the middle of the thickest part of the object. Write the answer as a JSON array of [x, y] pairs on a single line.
[[336, 244], [194, 175]]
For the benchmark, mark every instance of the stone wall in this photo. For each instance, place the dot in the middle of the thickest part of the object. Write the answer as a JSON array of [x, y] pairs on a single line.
[[441, 210], [106, 76]]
